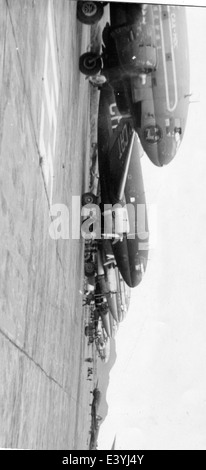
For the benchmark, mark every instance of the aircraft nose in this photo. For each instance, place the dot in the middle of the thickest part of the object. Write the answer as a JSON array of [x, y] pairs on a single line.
[[136, 278], [153, 154], [163, 152], [132, 278], [167, 151], [126, 274]]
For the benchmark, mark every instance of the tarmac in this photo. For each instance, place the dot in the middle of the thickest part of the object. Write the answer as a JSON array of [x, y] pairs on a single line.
[[44, 160]]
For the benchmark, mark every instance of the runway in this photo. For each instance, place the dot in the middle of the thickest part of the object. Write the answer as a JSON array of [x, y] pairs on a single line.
[[44, 160]]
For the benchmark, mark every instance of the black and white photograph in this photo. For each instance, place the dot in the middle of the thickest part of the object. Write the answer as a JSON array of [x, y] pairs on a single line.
[[102, 227]]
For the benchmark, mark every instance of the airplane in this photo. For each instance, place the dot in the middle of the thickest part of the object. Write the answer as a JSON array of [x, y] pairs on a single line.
[[102, 343], [115, 290], [121, 184], [123, 297], [106, 293], [89, 12], [145, 58], [102, 308], [110, 305]]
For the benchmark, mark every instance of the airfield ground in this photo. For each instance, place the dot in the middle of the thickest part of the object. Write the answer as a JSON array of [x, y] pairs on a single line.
[[45, 145]]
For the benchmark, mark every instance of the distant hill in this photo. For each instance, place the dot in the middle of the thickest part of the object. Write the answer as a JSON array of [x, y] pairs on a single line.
[[103, 378]]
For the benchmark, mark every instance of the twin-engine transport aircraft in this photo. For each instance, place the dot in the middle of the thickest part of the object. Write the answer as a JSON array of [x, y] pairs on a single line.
[[145, 58], [121, 184]]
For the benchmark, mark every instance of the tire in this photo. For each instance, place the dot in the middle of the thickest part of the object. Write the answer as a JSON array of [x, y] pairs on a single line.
[[89, 269], [89, 12], [88, 198], [86, 330], [90, 63]]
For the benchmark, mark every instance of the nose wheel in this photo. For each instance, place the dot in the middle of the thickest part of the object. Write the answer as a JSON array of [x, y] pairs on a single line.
[[88, 198], [89, 269], [89, 12], [90, 63]]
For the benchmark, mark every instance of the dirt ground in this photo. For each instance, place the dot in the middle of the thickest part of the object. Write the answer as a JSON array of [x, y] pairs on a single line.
[[44, 160]]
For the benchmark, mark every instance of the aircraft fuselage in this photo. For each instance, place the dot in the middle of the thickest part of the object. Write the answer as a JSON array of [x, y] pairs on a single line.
[[146, 61]]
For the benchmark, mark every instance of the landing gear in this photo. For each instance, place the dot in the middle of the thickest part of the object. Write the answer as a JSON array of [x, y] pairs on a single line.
[[89, 269], [88, 198], [90, 249], [89, 12], [90, 63]]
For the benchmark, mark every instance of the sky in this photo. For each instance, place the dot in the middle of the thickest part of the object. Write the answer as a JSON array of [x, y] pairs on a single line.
[[157, 389]]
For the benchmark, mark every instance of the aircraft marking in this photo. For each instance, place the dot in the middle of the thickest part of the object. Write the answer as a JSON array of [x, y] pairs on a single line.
[[123, 140], [170, 107], [152, 134], [49, 107], [114, 115]]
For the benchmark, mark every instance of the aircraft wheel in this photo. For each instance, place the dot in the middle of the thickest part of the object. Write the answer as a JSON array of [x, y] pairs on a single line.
[[90, 63], [86, 330], [89, 12], [88, 198], [89, 269]]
